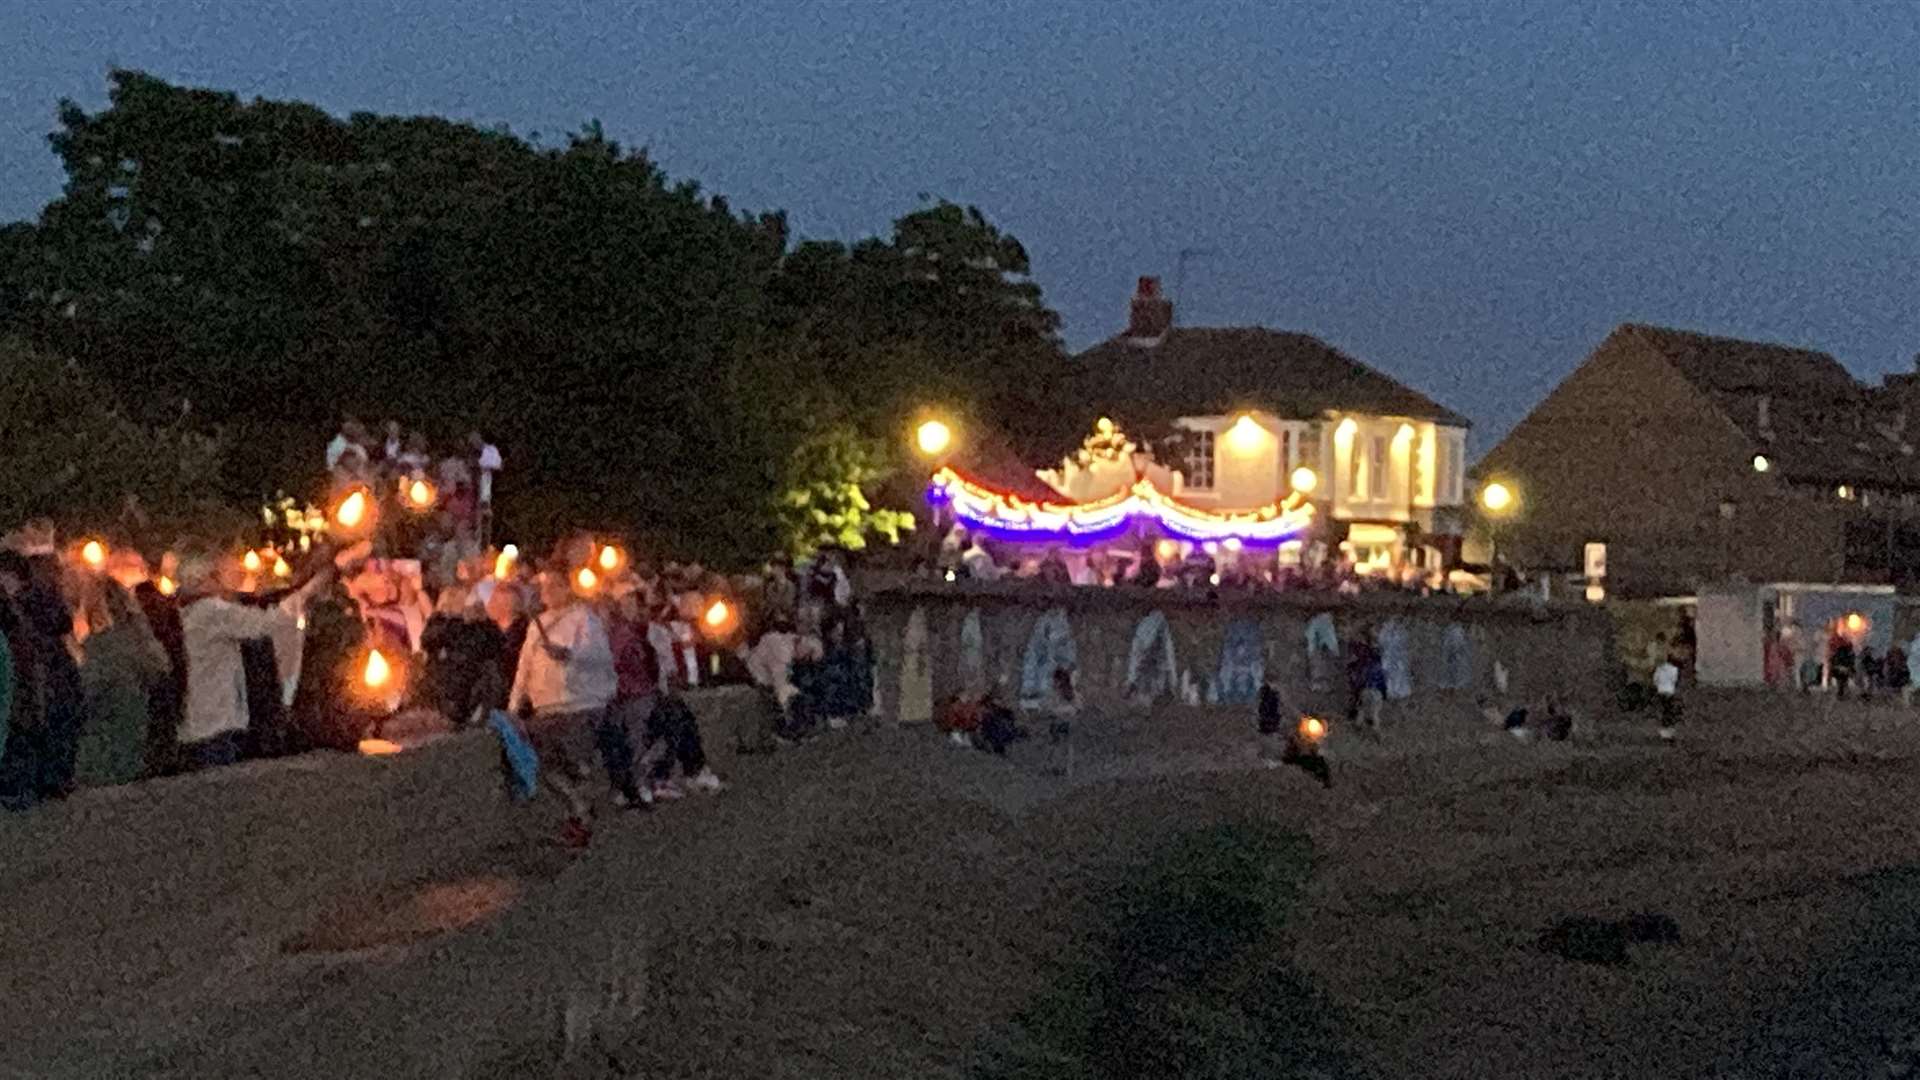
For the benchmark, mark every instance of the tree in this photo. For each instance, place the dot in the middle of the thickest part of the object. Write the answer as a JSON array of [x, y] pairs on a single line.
[[70, 452], [634, 345]]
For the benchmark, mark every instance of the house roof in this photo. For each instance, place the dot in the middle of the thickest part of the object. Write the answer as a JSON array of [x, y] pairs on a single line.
[[1198, 371], [1806, 412]]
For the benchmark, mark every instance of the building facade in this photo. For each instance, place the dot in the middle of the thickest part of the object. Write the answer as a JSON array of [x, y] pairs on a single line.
[[1695, 459], [1243, 417]]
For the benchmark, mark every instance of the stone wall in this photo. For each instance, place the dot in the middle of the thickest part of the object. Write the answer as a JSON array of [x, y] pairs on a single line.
[[1452, 643]]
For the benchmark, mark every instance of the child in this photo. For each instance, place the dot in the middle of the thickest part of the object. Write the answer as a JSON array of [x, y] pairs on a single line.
[[1666, 684], [1061, 709]]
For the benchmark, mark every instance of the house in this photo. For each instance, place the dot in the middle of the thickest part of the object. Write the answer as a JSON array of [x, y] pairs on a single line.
[[1695, 459], [1244, 416]]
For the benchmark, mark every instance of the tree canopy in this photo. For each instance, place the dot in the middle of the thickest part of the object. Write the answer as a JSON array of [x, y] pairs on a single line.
[[648, 358]]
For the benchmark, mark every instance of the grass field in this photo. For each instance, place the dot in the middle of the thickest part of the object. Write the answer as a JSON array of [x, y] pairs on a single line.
[[880, 904]]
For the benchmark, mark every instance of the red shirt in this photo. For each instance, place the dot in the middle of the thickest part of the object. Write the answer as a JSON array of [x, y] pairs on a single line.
[[633, 661]]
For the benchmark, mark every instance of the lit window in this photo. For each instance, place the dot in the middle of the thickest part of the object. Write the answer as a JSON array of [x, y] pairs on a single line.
[[1378, 467], [1358, 473], [1199, 461], [1844, 491]]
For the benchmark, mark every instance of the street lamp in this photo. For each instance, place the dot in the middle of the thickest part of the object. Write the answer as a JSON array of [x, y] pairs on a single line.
[[1497, 499], [933, 437], [1304, 480]]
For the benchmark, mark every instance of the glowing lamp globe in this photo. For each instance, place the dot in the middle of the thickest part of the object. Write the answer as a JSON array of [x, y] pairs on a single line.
[[1304, 480], [1496, 497], [1313, 728], [933, 437]]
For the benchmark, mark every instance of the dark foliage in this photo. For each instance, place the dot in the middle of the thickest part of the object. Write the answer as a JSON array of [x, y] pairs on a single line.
[[648, 359]]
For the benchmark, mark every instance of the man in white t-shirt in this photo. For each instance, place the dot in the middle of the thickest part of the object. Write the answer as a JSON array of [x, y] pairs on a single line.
[[1666, 684]]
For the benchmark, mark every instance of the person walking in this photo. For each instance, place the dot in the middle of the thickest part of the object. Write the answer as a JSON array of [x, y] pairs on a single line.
[[1666, 687], [562, 687]]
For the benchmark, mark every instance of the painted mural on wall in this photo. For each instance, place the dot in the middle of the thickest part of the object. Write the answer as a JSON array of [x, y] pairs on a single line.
[[1323, 650], [1396, 659], [1243, 665], [1049, 648], [1153, 670], [916, 673], [973, 656]]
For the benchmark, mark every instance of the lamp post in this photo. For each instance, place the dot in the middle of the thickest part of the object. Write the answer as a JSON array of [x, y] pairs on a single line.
[[1497, 500], [933, 439]]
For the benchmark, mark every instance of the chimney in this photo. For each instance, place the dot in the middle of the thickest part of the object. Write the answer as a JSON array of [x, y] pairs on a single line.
[[1152, 314]]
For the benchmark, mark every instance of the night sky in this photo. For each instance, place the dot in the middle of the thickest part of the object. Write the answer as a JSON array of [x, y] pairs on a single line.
[[1468, 195]]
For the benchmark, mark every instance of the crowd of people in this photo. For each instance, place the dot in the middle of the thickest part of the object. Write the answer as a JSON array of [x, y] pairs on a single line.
[[114, 667]]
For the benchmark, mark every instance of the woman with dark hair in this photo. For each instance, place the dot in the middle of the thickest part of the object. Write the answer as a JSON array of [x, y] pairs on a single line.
[[168, 697]]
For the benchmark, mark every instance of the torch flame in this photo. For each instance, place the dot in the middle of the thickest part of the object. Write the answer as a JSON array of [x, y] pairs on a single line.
[[95, 554], [1313, 727], [166, 586], [420, 494], [378, 670], [353, 510], [609, 558], [251, 561], [718, 614], [587, 579], [280, 567]]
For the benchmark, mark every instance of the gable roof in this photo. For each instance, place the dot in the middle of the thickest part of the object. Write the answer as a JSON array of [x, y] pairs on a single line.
[[1205, 371], [1802, 408]]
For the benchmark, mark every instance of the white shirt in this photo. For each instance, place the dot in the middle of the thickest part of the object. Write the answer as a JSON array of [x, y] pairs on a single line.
[[489, 458], [212, 631], [771, 664], [584, 681], [1666, 680]]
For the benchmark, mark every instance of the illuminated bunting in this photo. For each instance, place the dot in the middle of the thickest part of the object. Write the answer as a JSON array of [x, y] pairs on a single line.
[[1013, 518]]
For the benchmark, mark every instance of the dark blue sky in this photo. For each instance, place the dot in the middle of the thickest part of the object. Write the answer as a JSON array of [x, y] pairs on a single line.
[[1466, 194]]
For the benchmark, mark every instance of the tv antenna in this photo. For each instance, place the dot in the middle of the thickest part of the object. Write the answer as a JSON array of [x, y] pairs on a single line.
[[1180, 269]]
